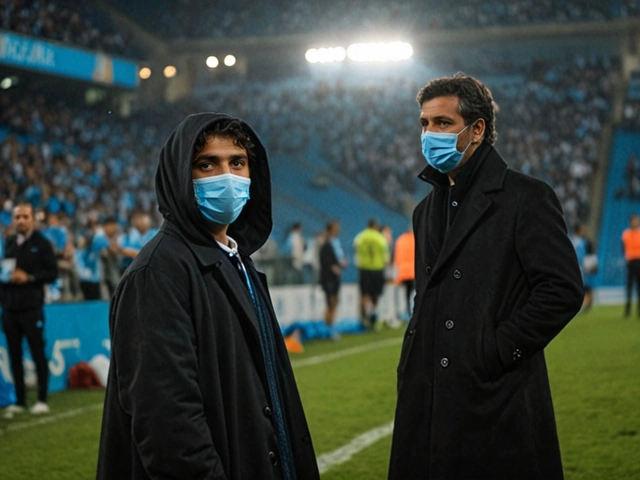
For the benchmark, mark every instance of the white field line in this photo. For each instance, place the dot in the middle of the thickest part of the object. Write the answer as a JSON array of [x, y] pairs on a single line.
[[327, 461], [327, 357], [49, 418]]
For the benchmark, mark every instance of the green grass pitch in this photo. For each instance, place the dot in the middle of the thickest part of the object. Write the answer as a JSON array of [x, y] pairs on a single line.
[[594, 367]]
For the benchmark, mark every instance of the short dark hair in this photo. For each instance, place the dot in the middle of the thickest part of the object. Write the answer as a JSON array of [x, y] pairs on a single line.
[[227, 128], [475, 100], [331, 224], [372, 223], [26, 203]]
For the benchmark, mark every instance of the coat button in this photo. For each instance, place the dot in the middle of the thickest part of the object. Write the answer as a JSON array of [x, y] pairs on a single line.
[[449, 324], [454, 204], [444, 362], [267, 412], [457, 274], [306, 439], [428, 270], [410, 332], [273, 458]]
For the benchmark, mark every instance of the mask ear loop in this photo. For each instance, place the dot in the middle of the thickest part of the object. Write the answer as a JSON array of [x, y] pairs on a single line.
[[472, 142]]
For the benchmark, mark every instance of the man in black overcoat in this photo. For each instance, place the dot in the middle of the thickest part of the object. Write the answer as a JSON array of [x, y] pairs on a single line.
[[496, 280], [200, 385]]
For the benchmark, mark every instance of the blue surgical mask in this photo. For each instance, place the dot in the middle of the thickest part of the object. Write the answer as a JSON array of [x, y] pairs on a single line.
[[221, 198], [440, 150]]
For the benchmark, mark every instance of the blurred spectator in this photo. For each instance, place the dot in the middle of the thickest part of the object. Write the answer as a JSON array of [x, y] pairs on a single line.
[[136, 237], [332, 262], [588, 261], [110, 256], [631, 250], [66, 285], [404, 262], [33, 264], [371, 257], [631, 118], [45, 18], [294, 247], [311, 258], [387, 233], [89, 265]]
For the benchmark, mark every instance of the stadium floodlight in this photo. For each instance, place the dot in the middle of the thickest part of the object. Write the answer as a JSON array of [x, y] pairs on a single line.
[[229, 60], [325, 55], [379, 52], [6, 83], [212, 62], [144, 73], [170, 71]]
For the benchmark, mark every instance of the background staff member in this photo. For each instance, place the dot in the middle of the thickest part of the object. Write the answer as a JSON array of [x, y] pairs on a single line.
[[631, 248], [22, 299]]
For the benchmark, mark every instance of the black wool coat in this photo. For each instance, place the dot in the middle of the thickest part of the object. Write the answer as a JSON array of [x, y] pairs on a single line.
[[187, 395], [474, 400]]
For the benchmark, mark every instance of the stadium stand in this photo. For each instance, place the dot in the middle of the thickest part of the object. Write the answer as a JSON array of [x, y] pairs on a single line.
[[336, 139], [237, 19], [84, 26], [95, 161], [620, 201]]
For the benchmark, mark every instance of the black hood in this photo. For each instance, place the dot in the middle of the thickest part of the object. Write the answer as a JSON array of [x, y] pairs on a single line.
[[176, 199]]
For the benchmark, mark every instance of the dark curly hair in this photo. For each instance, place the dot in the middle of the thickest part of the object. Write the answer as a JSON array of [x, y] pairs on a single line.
[[227, 128], [475, 100]]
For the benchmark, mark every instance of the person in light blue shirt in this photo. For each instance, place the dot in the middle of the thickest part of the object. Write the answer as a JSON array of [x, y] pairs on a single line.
[[58, 234], [88, 264], [588, 263], [136, 237]]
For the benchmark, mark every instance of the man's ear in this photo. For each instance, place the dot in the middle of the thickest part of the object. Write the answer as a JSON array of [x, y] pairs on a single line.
[[478, 130]]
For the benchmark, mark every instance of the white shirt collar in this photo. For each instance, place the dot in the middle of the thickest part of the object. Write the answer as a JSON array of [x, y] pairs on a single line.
[[231, 248]]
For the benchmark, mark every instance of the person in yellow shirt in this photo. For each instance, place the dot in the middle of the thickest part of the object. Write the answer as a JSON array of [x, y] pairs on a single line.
[[371, 257], [631, 248], [404, 258]]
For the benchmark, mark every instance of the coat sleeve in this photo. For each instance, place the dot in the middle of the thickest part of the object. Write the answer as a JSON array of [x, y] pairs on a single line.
[[48, 268], [553, 275], [154, 344]]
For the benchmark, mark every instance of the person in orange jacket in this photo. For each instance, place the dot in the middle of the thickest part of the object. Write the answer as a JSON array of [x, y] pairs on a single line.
[[631, 249], [404, 262]]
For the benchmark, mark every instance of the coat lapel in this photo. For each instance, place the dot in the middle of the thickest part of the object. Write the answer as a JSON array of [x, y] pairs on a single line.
[[210, 256], [238, 294], [475, 206], [488, 179]]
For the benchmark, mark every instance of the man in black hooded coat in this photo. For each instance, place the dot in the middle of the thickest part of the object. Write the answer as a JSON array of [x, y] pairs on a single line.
[[200, 384]]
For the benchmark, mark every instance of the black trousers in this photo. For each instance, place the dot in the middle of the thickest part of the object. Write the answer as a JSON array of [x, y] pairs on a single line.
[[29, 324], [633, 276], [409, 287], [90, 290]]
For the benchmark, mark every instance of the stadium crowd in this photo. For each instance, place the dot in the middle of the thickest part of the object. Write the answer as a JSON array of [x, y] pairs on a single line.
[[83, 25], [233, 19], [89, 165]]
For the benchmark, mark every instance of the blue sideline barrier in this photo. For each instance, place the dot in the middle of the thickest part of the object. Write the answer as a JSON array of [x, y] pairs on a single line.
[[74, 332]]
